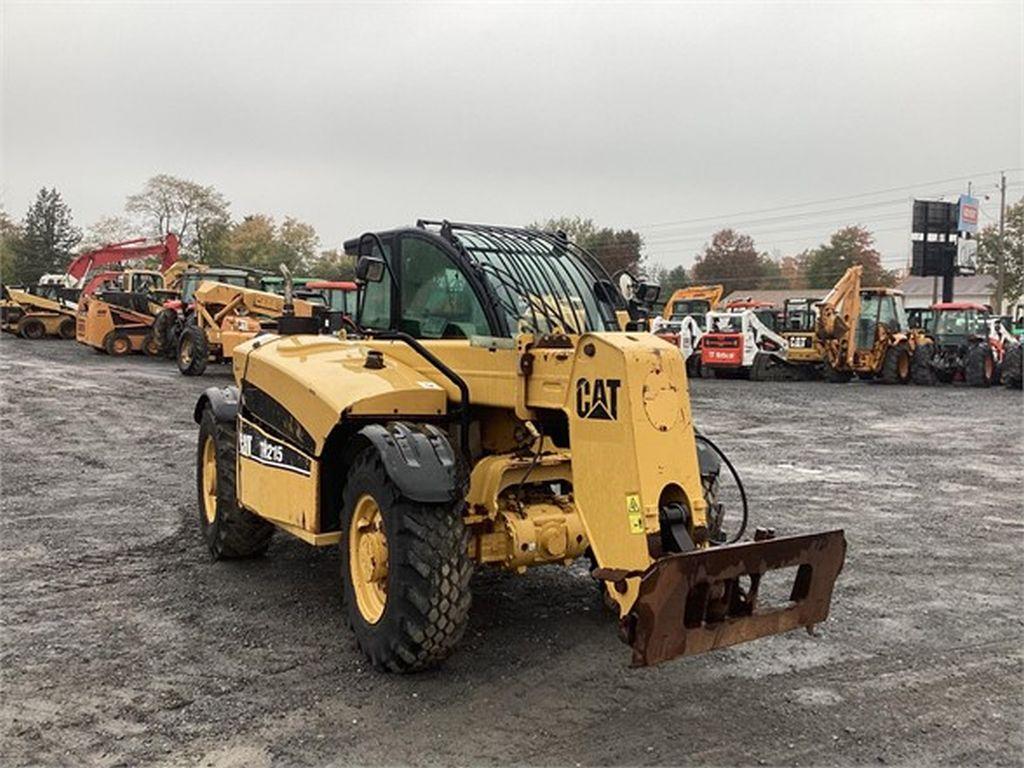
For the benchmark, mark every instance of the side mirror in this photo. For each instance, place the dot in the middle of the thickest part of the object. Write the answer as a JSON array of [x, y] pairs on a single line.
[[647, 293], [370, 269]]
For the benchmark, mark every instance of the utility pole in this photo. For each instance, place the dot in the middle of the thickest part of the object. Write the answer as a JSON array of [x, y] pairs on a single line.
[[1001, 258]]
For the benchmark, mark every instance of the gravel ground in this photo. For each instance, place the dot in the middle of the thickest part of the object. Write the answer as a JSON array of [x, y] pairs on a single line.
[[123, 644]]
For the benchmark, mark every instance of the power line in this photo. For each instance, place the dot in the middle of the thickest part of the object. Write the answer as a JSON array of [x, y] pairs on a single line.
[[824, 200]]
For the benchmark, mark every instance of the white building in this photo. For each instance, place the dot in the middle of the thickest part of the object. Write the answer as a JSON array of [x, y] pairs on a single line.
[[922, 292]]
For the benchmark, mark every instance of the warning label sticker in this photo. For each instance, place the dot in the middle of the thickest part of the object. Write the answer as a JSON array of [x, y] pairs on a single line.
[[635, 513]]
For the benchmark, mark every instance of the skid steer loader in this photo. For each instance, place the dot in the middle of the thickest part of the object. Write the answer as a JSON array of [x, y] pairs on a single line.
[[34, 317], [490, 413]]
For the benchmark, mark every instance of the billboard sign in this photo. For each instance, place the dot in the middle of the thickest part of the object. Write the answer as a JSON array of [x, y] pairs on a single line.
[[968, 219]]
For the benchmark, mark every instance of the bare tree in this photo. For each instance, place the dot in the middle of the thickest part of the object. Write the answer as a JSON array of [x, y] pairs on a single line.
[[190, 210]]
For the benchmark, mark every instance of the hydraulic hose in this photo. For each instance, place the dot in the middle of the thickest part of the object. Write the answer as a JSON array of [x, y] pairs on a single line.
[[739, 483]]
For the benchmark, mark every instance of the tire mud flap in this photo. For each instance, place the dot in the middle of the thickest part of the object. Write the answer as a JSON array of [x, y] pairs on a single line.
[[419, 460], [697, 601]]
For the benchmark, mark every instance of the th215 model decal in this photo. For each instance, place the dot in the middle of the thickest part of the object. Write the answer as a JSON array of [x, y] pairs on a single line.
[[598, 399], [253, 444]]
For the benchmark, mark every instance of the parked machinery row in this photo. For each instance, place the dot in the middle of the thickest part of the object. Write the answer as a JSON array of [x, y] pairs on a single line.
[[854, 331], [190, 312]]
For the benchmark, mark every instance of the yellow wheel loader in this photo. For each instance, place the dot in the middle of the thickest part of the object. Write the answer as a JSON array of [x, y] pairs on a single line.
[[226, 315], [35, 317], [864, 332], [489, 413]]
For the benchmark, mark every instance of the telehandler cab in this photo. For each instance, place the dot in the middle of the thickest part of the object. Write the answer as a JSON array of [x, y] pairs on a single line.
[[489, 412]]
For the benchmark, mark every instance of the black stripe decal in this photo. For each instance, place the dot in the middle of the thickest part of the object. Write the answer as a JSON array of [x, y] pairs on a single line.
[[256, 445]]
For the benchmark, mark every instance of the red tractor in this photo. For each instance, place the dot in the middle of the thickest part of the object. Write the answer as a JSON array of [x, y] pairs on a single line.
[[960, 346]]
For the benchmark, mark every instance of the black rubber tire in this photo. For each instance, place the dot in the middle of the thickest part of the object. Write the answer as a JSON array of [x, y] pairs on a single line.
[[31, 328], [759, 371], [164, 329], [921, 371], [234, 532], [1013, 366], [834, 375], [980, 368], [896, 365], [693, 367], [66, 329], [193, 351], [117, 344], [151, 346], [429, 570]]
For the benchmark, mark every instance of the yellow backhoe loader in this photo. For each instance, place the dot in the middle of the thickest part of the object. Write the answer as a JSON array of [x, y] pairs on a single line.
[[489, 412], [34, 317], [864, 331], [224, 316]]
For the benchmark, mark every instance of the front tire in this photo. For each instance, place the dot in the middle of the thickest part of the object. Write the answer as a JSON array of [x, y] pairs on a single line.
[[193, 351], [896, 365], [1013, 366], [980, 369], [117, 344], [228, 530], [921, 370], [66, 329], [405, 570]]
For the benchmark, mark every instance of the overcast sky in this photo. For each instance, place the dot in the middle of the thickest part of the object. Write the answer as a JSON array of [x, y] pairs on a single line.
[[360, 116]]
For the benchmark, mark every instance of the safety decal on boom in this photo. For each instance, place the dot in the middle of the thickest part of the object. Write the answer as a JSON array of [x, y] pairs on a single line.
[[254, 444]]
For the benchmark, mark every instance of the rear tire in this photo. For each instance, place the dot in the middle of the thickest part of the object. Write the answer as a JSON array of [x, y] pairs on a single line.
[[150, 345], [896, 366], [117, 344], [760, 370], [66, 329], [193, 351], [164, 330], [1013, 366], [425, 582], [228, 530], [921, 370], [32, 329], [980, 369]]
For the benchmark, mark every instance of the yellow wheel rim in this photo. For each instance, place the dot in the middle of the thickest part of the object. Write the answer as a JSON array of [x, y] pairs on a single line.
[[186, 352], [210, 480], [368, 559]]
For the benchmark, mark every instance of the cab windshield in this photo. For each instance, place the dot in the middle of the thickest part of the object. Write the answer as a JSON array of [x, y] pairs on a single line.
[[687, 307], [960, 322], [540, 282], [726, 323], [190, 282]]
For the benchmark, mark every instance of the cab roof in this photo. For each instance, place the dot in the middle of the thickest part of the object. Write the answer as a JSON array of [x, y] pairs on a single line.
[[344, 285], [960, 305]]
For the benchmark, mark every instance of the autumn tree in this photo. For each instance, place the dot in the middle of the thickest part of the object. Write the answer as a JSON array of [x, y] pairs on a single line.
[[616, 249], [732, 260], [48, 237], [847, 247], [10, 244], [107, 230], [670, 280], [1013, 243], [196, 213], [257, 241], [333, 264]]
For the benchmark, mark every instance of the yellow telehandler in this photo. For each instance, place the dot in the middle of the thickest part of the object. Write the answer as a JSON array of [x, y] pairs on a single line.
[[489, 412]]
